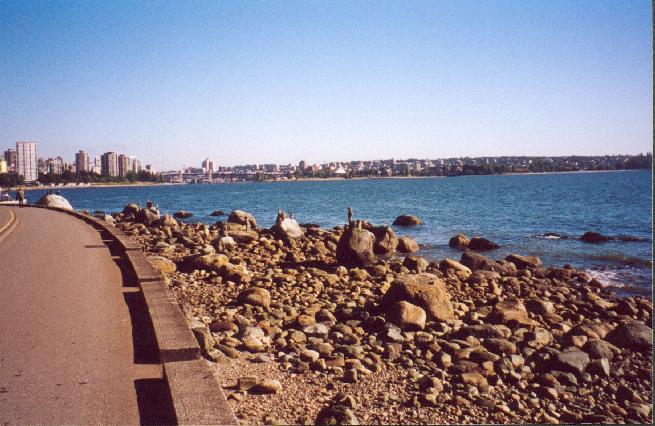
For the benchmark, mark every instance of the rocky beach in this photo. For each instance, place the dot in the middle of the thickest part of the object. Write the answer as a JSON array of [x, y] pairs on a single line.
[[348, 325]]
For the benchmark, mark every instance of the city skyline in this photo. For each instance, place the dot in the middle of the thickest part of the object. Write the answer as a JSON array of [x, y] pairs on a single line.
[[246, 83]]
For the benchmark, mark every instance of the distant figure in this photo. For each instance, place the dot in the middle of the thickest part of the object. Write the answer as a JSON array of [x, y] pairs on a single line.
[[20, 196], [280, 217], [291, 216], [149, 204], [350, 215]]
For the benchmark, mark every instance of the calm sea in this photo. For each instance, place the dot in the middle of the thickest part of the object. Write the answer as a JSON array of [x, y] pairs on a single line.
[[514, 211]]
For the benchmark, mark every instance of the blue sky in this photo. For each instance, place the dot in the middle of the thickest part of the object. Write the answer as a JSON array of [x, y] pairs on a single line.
[[277, 82]]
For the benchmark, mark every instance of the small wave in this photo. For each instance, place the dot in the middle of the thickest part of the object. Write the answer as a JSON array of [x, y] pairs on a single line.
[[623, 282], [621, 259]]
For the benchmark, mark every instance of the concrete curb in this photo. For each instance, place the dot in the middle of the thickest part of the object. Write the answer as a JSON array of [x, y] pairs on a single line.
[[196, 394]]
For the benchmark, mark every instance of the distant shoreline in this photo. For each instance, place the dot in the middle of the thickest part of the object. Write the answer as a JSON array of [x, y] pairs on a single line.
[[310, 179], [101, 185]]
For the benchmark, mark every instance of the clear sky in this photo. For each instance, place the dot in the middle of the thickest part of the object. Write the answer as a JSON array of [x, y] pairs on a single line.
[[249, 82]]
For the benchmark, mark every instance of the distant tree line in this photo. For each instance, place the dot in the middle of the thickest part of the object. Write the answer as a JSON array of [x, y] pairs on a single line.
[[12, 179], [90, 177]]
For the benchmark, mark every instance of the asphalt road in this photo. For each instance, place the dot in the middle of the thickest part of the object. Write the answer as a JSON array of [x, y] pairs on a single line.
[[70, 331]]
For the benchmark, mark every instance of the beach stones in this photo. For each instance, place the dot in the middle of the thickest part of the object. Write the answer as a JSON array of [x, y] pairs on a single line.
[[255, 296], [217, 213], [407, 316], [355, 247], [407, 245], [209, 262], [415, 264], [510, 312], [481, 244], [336, 415], [449, 263], [424, 290], [162, 264], [572, 361], [243, 237], [407, 220]]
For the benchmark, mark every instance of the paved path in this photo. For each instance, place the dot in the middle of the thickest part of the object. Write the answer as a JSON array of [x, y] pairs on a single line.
[[66, 328]]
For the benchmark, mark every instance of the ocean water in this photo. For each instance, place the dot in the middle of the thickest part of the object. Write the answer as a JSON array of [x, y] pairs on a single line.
[[512, 210]]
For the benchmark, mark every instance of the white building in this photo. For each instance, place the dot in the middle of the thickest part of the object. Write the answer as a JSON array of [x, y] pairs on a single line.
[[26, 164], [208, 165]]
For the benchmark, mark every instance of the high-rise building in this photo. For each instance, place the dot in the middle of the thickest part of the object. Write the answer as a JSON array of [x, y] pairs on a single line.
[[150, 169], [135, 165], [109, 164], [96, 167], [123, 165], [26, 164], [3, 166], [208, 165], [302, 165], [54, 165], [82, 162], [11, 157]]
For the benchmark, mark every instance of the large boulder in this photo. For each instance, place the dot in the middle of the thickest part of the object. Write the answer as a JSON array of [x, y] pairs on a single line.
[[256, 296], [425, 290], [208, 262], [449, 263], [407, 220], [242, 218], [459, 241], [243, 237], [147, 216], [385, 239], [162, 264], [131, 209], [183, 214], [287, 230], [477, 261], [510, 312], [53, 200], [167, 220], [570, 361], [593, 238], [218, 213], [633, 335], [481, 244], [524, 262], [407, 245], [355, 247]]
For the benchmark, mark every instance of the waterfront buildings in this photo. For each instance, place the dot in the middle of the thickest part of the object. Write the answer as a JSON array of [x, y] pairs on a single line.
[[109, 164], [123, 165], [26, 162], [11, 158], [82, 163], [208, 165], [3, 166]]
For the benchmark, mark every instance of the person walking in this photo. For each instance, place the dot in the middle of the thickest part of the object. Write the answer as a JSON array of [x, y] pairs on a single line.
[[20, 195]]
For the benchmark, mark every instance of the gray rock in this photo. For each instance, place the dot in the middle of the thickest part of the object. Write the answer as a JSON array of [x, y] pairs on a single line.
[[633, 335], [573, 361], [53, 200]]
